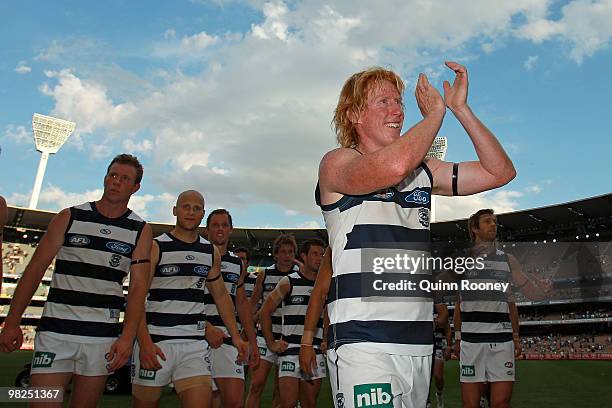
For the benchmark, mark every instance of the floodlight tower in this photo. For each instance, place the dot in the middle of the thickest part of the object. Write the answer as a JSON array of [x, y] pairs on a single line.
[[437, 150], [49, 134]]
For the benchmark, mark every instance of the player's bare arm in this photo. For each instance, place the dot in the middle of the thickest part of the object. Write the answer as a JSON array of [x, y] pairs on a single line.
[[137, 292], [520, 281], [345, 171], [11, 336], [493, 169], [313, 313], [243, 307], [225, 306], [265, 314], [149, 350]]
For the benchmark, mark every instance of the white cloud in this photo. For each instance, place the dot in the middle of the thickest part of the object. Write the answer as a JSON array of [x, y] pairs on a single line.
[[453, 208], [18, 134], [309, 224], [585, 24], [144, 146], [534, 189], [99, 151], [52, 52], [253, 123], [84, 102], [530, 62], [54, 198], [22, 68]]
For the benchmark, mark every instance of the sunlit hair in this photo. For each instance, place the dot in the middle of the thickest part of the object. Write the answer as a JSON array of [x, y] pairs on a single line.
[[353, 99], [284, 239], [474, 220]]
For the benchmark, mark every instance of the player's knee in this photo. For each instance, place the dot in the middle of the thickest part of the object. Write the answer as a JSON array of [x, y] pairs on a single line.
[[288, 402], [185, 384], [233, 400], [145, 393]]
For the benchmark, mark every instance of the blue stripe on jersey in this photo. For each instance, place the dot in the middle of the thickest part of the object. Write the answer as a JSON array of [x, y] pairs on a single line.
[[72, 268], [74, 298], [501, 337], [387, 236], [381, 331], [94, 216], [184, 295], [174, 319], [485, 317], [79, 327], [361, 284]]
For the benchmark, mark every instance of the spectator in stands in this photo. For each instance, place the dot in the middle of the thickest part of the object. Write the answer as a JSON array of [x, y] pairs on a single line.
[[3, 218]]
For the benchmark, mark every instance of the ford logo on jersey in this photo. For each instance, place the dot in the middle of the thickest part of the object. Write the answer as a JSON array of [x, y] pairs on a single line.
[[232, 277], [418, 196], [169, 269], [119, 247], [201, 270], [79, 240]]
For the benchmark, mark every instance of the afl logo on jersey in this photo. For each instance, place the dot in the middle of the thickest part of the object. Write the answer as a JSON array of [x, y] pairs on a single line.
[[105, 231], [190, 257], [119, 247], [201, 270], [418, 196], [169, 270], [79, 240]]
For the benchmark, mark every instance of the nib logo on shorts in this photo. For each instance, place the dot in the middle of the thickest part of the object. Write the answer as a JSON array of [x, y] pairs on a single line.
[[146, 374], [262, 351], [373, 395], [468, 371], [288, 366], [42, 359]]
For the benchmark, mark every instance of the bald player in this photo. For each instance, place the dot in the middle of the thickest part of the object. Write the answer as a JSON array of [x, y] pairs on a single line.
[[171, 338]]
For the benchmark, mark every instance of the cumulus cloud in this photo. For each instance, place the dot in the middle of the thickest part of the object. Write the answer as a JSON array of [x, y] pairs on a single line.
[[18, 134], [453, 208], [22, 68], [256, 113], [530, 62], [585, 24]]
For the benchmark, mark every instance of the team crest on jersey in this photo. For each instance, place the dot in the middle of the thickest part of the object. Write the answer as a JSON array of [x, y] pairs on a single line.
[[201, 270], [340, 400], [418, 196], [105, 231], [424, 217], [169, 270], [201, 325], [114, 313], [119, 247], [115, 260], [190, 257], [79, 240]]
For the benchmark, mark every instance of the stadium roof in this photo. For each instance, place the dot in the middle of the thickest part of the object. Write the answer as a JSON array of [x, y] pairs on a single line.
[[581, 215]]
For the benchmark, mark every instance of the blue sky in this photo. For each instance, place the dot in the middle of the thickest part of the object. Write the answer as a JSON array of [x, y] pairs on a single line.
[[235, 98]]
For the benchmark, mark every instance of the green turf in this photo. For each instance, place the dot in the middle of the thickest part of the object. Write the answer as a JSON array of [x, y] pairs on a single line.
[[541, 384]]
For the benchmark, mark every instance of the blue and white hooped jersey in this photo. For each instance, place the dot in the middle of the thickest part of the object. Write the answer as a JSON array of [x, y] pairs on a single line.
[[86, 294], [175, 308], [392, 221], [485, 315]]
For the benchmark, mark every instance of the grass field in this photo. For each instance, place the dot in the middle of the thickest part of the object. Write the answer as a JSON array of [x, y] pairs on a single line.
[[541, 384]]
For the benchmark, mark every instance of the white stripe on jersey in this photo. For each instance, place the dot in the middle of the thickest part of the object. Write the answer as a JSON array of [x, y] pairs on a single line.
[[344, 310], [83, 284], [93, 229], [93, 257], [82, 313], [175, 282], [185, 257], [484, 306]]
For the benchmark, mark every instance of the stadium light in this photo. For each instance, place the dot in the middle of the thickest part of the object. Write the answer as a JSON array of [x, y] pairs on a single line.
[[437, 150], [49, 134]]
